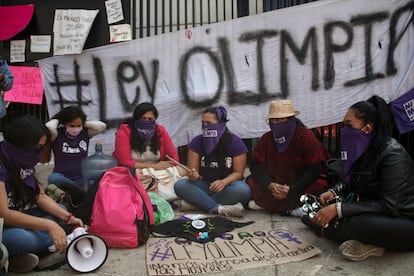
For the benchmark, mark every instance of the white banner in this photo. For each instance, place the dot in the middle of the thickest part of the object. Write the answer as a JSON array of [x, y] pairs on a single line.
[[324, 56]]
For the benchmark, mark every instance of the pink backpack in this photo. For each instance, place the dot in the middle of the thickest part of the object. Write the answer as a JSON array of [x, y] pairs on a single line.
[[122, 213]]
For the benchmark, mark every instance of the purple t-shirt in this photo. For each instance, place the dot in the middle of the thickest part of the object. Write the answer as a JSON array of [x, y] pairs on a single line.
[[209, 170], [4, 177], [69, 153]]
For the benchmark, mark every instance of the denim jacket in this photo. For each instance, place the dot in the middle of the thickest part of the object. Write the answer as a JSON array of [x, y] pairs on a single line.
[[5, 85]]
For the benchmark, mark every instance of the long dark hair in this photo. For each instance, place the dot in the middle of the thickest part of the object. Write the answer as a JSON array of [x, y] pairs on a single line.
[[70, 113], [222, 147], [376, 111], [24, 132], [136, 142]]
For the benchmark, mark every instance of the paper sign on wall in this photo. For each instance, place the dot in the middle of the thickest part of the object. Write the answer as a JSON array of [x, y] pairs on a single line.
[[27, 85], [40, 43], [71, 29], [114, 11], [121, 32], [17, 50]]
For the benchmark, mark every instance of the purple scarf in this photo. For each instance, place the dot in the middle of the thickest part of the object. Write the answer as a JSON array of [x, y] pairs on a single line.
[[146, 130], [354, 143], [211, 135], [283, 133], [23, 161]]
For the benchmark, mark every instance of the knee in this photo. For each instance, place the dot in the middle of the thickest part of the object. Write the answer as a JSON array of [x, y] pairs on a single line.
[[180, 186]]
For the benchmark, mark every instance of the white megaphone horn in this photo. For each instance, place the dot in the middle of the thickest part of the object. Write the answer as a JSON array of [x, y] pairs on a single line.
[[86, 252]]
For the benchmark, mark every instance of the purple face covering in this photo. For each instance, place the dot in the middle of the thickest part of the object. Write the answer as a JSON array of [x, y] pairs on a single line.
[[221, 113], [146, 130], [283, 133], [354, 143], [211, 135], [25, 163]]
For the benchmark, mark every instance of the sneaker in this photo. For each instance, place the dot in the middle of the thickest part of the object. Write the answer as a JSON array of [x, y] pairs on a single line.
[[23, 263], [297, 212], [253, 205], [52, 261], [356, 251], [313, 226], [185, 206], [235, 210]]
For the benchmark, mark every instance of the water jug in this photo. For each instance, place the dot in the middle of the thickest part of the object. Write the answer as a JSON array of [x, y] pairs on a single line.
[[95, 165]]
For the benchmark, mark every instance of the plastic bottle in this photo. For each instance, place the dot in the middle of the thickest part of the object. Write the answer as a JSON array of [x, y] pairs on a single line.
[[95, 165]]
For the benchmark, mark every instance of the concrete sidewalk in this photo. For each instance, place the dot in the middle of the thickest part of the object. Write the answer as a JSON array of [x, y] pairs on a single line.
[[329, 262]]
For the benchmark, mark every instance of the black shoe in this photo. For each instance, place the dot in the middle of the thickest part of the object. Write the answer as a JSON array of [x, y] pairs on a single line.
[[313, 226]]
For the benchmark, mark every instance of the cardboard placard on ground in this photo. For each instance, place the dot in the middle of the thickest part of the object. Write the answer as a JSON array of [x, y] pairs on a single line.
[[235, 250]]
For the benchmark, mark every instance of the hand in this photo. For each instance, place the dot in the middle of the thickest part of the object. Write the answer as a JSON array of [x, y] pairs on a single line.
[[279, 191], [325, 215], [162, 165], [58, 236], [326, 197], [217, 186], [193, 175], [75, 221]]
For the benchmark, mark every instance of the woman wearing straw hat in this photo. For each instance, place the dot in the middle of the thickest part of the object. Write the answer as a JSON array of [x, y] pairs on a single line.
[[285, 163]]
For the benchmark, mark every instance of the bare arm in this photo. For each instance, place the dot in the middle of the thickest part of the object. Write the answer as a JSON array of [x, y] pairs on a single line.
[[95, 127], [52, 126], [239, 164]]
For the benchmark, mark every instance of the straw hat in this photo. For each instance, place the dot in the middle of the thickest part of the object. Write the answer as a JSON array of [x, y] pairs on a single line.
[[281, 109]]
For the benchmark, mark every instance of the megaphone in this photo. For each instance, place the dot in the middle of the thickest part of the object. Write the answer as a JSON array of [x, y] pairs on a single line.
[[86, 252]]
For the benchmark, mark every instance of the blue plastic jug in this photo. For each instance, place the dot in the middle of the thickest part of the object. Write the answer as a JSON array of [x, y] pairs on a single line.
[[95, 165]]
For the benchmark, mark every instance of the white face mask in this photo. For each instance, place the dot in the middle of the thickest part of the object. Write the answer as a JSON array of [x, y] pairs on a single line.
[[74, 131]]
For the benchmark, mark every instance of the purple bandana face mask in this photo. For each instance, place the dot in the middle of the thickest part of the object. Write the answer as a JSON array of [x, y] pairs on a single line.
[[211, 135], [283, 133], [24, 165], [146, 130], [73, 131], [354, 143]]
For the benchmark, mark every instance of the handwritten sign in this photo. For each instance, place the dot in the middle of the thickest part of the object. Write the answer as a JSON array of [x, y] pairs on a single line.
[[244, 64], [16, 18], [120, 32], [114, 11], [232, 251], [17, 50], [40, 43], [27, 85], [71, 29]]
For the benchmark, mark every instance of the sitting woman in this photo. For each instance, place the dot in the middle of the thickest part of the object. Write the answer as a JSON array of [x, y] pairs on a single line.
[[70, 134], [378, 180], [285, 163], [217, 159], [143, 144], [31, 218]]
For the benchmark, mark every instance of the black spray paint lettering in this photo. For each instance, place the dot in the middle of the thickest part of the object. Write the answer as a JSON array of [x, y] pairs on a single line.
[[223, 65]]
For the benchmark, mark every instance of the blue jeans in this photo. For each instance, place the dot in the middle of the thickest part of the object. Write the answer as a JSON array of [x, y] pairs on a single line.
[[58, 178], [197, 193], [20, 241]]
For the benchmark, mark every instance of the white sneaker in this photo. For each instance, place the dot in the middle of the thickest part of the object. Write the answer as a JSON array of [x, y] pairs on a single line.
[[235, 210], [297, 212], [253, 205]]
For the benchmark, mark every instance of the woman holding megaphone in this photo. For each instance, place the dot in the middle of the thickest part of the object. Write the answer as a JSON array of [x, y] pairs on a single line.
[[32, 220]]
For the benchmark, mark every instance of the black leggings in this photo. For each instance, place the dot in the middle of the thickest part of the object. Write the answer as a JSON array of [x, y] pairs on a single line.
[[393, 233]]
